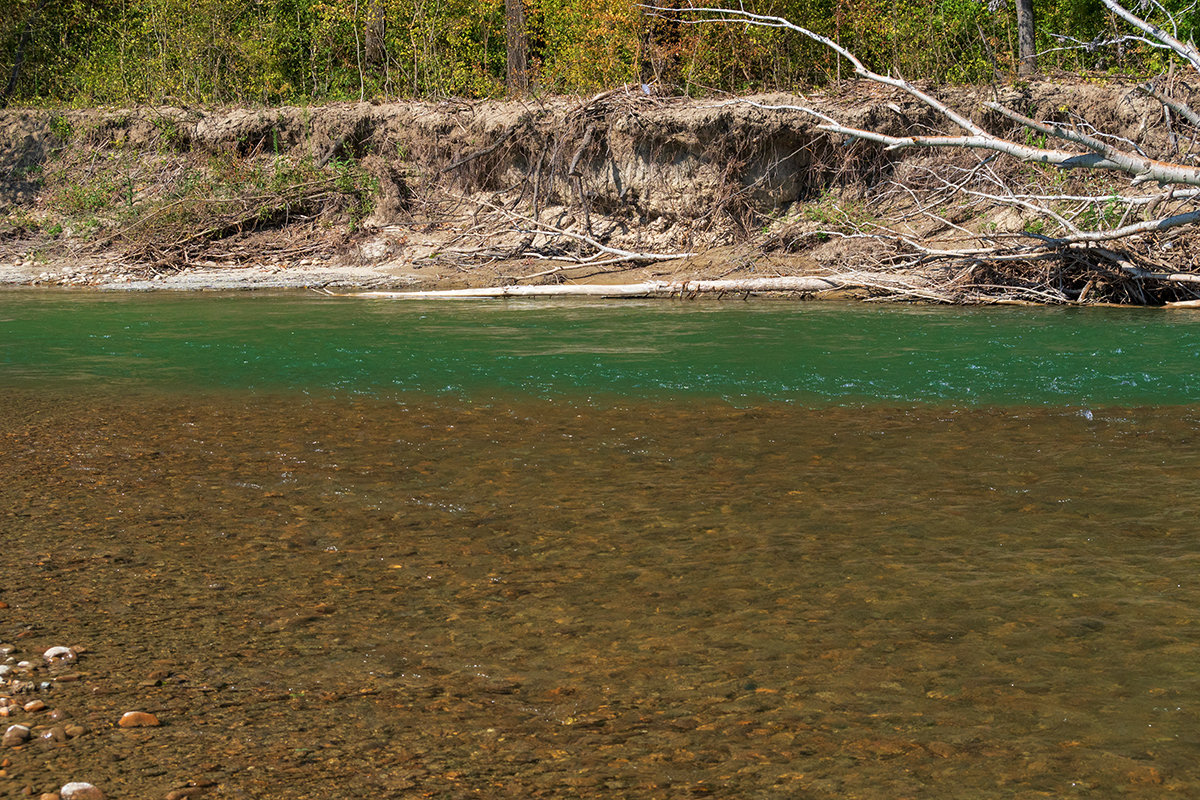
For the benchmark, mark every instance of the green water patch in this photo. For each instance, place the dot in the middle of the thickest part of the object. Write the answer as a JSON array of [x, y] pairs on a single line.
[[808, 353]]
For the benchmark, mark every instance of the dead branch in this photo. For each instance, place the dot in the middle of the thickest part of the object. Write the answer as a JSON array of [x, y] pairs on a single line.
[[545, 228], [645, 289], [1086, 235], [481, 153]]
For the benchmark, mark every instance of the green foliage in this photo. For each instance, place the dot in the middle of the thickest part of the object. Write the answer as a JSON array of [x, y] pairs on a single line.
[[187, 52], [359, 186], [60, 126], [832, 212], [1102, 216]]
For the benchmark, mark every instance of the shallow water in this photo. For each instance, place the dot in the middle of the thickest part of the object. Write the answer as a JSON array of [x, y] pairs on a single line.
[[642, 587], [744, 353]]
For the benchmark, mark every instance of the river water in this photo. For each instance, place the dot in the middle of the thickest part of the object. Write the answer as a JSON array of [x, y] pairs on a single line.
[[505, 549]]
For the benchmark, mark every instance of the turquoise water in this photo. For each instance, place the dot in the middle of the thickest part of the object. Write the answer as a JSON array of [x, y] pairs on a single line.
[[808, 353]]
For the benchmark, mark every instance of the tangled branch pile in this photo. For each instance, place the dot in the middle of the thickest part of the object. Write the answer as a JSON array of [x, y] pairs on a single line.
[[1114, 234]]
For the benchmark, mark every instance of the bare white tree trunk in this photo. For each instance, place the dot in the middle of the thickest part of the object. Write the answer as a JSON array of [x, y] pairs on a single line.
[[662, 288]]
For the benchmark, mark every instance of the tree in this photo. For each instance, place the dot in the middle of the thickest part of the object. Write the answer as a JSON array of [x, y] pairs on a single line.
[[1097, 238], [19, 55], [1026, 46], [516, 43]]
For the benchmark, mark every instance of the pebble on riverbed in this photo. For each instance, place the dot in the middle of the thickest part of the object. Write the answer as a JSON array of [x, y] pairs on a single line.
[[59, 655], [80, 791], [187, 792], [138, 719], [55, 735], [15, 735]]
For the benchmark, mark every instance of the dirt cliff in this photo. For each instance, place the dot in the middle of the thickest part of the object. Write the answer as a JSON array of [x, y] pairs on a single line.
[[458, 194]]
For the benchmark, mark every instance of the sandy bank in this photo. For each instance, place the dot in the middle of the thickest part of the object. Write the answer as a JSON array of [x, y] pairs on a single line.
[[617, 188]]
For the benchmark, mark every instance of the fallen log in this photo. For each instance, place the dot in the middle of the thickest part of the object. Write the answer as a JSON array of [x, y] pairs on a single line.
[[644, 289]]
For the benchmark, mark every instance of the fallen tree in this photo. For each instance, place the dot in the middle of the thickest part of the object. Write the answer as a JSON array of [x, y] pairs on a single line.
[[1091, 243], [1100, 217], [881, 185], [682, 289]]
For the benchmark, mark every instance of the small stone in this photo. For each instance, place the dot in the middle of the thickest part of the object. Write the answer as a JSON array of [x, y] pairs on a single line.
[[138, 719], [74, 729], [34, 705], [59, 655], [80, 791], [51, 796], [7, 649], [185, 793], [53, 735], [941, 749], [15, 735], [58, 715]]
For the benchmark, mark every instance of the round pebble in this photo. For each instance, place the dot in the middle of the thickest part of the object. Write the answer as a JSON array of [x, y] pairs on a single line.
[[15, 735], [80, 791], [34, 705], [53, 735], [138, 719], [59, 655], [186, 793]]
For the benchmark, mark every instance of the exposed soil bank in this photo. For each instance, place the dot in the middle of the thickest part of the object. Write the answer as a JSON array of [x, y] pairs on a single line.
[[457, 194]]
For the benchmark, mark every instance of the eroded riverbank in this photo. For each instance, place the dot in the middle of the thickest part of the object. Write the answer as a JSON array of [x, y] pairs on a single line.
[[621, 187]]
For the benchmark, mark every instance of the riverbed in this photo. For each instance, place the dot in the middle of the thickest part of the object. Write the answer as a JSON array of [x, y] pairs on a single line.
[[346, 548]]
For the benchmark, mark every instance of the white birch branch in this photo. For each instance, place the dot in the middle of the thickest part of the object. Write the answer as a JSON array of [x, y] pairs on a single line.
[[806, 284], [644, 289]]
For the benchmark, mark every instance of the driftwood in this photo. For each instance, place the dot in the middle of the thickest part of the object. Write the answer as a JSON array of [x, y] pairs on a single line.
[[746, 286]]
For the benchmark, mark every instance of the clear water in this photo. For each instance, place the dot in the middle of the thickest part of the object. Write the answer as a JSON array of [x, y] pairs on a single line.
[[806, 353], [642, 550]]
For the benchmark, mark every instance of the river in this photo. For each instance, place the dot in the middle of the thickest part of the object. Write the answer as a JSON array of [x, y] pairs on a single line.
[[345, 548]]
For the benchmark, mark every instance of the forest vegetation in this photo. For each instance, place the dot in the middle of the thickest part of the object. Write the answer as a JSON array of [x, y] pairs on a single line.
[[269, 52]]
